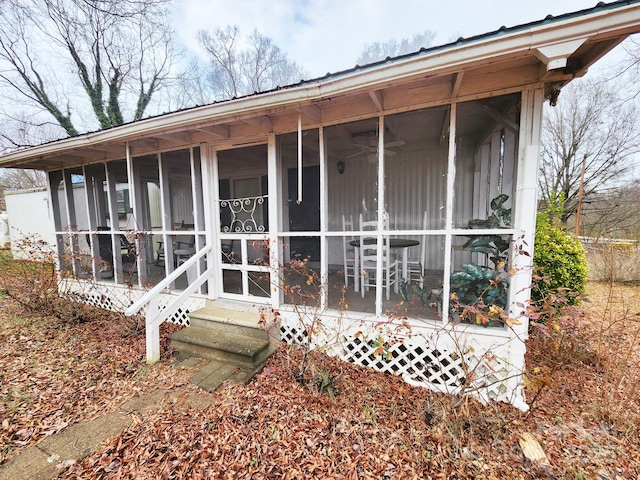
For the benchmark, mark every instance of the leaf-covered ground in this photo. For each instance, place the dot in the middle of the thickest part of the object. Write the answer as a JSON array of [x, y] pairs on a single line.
[[586, 417]]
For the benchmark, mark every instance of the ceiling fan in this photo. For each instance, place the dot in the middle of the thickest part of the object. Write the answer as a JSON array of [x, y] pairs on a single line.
[[367, 142]]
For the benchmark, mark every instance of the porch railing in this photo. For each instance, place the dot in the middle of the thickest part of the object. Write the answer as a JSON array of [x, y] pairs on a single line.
[[154, 316]]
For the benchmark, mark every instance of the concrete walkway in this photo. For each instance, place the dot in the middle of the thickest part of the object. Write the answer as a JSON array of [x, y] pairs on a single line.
[[47, 458]]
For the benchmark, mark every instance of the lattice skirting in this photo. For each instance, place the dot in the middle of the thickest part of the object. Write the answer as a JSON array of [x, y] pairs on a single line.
[[441, 358], [117, 298]]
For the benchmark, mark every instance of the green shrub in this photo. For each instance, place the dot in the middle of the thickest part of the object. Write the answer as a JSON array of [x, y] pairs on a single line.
[[559, 260]]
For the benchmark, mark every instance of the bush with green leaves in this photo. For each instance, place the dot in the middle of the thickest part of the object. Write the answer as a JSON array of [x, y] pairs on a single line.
[[559, 261]]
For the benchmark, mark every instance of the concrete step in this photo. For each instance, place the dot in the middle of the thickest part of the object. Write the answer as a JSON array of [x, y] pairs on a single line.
[[229, 348], [226, 318], [213, 374]]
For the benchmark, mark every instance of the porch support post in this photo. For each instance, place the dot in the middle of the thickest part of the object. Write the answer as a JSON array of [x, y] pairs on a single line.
[[165, 210], [89, 196], [299, 158], [324, 206], [133, 175], [54, 200], [113, 215], [211, 213], [196, 194], [275, 194], [525, 207], [71, 222], [382, 215], [448, 239], [211, 197], [152, 330]]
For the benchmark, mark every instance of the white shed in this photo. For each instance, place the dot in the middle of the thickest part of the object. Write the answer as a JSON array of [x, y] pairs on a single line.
[[30, 218]]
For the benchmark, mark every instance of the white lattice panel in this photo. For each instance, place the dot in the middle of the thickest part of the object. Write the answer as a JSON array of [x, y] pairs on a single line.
[[117, 298], [437, 357]]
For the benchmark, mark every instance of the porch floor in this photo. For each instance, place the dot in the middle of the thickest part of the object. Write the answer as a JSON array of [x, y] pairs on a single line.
[[420, 303]]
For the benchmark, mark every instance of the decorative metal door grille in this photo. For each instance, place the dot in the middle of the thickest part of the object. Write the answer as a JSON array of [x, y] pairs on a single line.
[[243, 213]]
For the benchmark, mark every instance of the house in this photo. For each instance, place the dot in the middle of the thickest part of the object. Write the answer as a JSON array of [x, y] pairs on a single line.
[[373, 175]]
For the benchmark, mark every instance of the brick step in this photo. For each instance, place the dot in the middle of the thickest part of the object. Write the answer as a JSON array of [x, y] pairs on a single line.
[[230, 348]]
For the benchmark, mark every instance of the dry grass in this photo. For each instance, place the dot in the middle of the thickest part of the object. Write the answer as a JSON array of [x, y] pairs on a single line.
[[614, 336]]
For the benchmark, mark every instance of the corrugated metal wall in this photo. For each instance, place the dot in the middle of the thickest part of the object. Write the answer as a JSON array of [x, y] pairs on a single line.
[[415, 182]]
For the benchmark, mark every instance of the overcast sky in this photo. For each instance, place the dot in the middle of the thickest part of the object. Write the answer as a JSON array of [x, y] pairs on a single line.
[[328, 35]]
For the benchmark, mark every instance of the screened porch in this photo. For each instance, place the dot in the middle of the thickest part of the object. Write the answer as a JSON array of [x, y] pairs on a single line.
[[350, 190], [378, 210]]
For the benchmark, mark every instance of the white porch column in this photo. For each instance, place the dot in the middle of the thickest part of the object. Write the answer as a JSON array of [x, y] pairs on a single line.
[[324, 221], [275, 195], [90, 204], [113, 215], [448, 239], [133, 176], [53, 183], [71, 222], [210, 197], [524, 221]]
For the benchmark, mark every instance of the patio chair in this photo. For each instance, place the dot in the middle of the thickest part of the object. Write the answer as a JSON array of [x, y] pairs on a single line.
[[183, 249], [416, 266], [127, 249], [348, 251], [369, 264], [105, 248]]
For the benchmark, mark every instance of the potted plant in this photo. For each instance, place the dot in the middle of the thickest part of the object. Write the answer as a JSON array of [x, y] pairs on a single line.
[[479, 291]]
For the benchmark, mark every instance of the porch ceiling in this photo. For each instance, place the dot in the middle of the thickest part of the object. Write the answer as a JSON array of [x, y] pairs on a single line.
[[486, 66]]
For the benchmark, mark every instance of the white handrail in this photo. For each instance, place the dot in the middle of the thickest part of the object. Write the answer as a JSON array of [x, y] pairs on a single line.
[[153, 315]]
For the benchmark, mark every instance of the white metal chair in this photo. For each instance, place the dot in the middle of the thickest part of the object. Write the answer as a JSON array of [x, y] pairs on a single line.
[[183, 249], [369, 263], [416, 266], [348, 251]]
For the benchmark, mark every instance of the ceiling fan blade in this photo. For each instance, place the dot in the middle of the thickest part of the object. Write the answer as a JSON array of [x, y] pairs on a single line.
[[397, 143], [354, 155], [362, 147]]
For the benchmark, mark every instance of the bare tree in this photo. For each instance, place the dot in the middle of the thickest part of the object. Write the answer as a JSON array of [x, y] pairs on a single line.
[[119, 53], [22, 129], [235, 70], [15, 179], [373, 52], [613, 213], [590, 126], [628, 67]]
